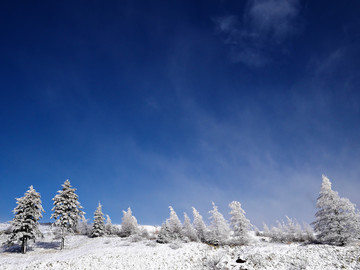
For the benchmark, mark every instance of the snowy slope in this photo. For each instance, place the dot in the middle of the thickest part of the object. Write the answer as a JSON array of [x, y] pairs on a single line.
[[118, 253], [293, 256]]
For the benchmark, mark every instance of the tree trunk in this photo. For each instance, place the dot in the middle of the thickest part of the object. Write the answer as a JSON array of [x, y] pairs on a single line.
[[24, 245], [62, 239]]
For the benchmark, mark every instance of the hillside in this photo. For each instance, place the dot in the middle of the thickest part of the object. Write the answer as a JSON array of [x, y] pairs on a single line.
[[113, 252]]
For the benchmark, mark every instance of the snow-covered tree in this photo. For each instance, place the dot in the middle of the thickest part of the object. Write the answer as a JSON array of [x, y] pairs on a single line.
[[165, 235], [296, 233], [25, 222], [174, 222], [278, 233], [266, 231], [67, 210], [188, 230], [357, 226], [199, 225], [239, 223], [308, 233], [109, 228], [292, 226], [336, 220], [171, 230], [219, 228], [98, 228], [129, 225]]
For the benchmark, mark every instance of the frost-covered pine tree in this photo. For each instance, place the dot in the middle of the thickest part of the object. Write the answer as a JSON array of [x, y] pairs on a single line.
[[98, 228], [239, 223], [336, 220], [129, 225], [291, 226], [357, 224], [165, 235], [25, 222], [266, 230], [174, 222], [288, 232], [308, 234], [277, 233], [171, 230], [219, 228], [109, 228], [188, 230], [199, 225], [294, 231], [67, 211], [348, 221]]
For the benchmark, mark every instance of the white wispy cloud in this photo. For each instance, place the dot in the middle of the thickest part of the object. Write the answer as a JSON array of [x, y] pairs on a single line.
[[264, 27], [274, 18], [328, 64]]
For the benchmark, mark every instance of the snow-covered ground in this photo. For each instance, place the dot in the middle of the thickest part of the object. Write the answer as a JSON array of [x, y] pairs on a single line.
[[114, 252]]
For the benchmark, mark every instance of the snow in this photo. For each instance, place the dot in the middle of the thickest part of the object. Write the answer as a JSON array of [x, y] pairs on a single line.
[[112, 252], [293, 256]]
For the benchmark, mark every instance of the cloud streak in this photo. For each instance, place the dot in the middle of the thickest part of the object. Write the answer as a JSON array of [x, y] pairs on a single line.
[[263, 30], [274, 19]]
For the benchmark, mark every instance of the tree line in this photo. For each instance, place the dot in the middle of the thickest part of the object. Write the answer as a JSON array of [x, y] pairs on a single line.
[[337, 222]]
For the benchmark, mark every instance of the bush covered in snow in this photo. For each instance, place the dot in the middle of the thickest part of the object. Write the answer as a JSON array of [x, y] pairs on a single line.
[[288, 232], [83, 227]]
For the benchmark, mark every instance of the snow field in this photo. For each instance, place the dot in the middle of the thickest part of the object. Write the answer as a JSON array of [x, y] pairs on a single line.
[[292, 257], [82, 252], [112, 252]]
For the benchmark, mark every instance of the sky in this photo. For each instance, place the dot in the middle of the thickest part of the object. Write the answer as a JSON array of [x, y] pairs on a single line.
[[147, 104]]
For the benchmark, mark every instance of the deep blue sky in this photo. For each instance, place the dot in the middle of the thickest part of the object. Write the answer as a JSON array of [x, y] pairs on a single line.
[[155, 103]]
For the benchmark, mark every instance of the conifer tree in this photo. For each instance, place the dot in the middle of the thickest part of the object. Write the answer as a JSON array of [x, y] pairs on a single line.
[[25, 222], [188, 230], [171, 230], [357, 224], [129, 225], [266, 231], [199, 225], [67, 210], [239, 223], [336, 220], [98, 228], [219, 228], [308, 233], [174, 222], [165, 235], [109, 228]]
